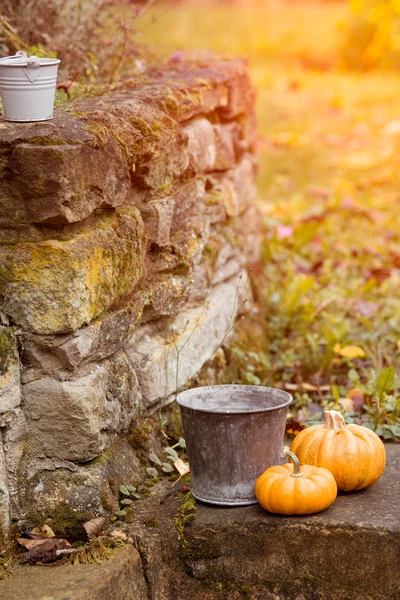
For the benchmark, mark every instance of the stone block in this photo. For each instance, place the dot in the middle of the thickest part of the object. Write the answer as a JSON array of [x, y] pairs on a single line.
[[61, 183], [10, 389], [168, 295], [57, 286], [214, 147], [49, 355], [227, 138], [166, 355], [196, 85], [157, 217], [120, 578], [150, 141], [88, 487], [202, 145], [235, 189], [4, 497], [75, 420]]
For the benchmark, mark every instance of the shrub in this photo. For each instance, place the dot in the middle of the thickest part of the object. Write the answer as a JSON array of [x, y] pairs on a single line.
[[93, 38]]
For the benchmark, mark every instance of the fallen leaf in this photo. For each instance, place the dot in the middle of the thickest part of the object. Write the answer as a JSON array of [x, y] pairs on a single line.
[[318, 192], [44, 550], [346, 404], [284, 231], [181, 466], [29, 544], [43, 530], [288, 139], [94, 526], [366, 309], [118, 534], [357, 397], [349, 351]]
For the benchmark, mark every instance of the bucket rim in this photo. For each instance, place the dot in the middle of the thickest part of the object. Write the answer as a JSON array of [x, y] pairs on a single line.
[[180, 399]]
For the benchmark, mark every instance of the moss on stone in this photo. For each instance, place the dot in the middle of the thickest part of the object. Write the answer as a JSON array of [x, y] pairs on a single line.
[[186, 513], [48, 141], [138, 437], [7, 349], [151, 522], [63, 519]]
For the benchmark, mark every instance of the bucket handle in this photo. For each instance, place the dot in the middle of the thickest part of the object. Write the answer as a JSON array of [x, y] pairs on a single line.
[[32, 61], [20, 54]]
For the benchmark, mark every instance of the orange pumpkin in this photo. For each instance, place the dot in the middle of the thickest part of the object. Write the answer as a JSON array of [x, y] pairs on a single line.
[[294, 490], [354, 455]]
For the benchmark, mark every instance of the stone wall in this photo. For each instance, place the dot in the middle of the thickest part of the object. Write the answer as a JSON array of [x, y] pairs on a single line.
[[126, 225]]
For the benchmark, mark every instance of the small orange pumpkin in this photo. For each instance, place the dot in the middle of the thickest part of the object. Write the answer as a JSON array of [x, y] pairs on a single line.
[[354, 455], [294, 490]]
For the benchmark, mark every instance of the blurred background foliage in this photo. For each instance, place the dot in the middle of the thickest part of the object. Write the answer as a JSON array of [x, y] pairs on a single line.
[[372, 34]]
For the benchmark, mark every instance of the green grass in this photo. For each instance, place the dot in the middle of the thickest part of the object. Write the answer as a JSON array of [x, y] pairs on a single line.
[[329, 192]]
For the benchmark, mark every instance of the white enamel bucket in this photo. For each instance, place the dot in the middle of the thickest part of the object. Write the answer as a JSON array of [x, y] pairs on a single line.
[[27, 87]]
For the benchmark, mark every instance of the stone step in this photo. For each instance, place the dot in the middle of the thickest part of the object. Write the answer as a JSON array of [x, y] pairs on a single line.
[[351, 551], [120, 578]]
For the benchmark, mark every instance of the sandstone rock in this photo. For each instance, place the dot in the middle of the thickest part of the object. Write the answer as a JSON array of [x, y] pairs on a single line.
[[157, 217], [10, 390], [202, 145], [4, 497], [168, 296], [227, 140], [189, 203], [200, 85], [151, 142], [47, 355], [120, 578], [61, 183], [75, 420], [15, 446], [235, 190], [166, 356], [214, 147], [57, 286], [88, 487]]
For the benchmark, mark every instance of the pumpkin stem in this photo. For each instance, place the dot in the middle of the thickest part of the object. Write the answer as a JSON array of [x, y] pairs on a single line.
[[334, 420], [296, 463]]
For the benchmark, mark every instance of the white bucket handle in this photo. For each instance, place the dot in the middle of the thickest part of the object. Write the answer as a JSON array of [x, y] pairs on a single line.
[[20, 54], [32, 61]]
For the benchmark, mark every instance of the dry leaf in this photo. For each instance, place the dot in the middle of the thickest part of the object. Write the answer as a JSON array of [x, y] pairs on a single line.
[[366, 309], [43, 530], [30, 544], [346, 404], [284, 231], [349, 351], [181, 466], [94, 526], [118, 535], [357, 397]]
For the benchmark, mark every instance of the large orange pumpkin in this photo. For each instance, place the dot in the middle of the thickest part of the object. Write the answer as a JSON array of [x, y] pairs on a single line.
[[291, 490], [354, 455]]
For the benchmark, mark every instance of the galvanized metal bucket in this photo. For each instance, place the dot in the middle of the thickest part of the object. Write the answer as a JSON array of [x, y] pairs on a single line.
[[233, 433], [27, 87]]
